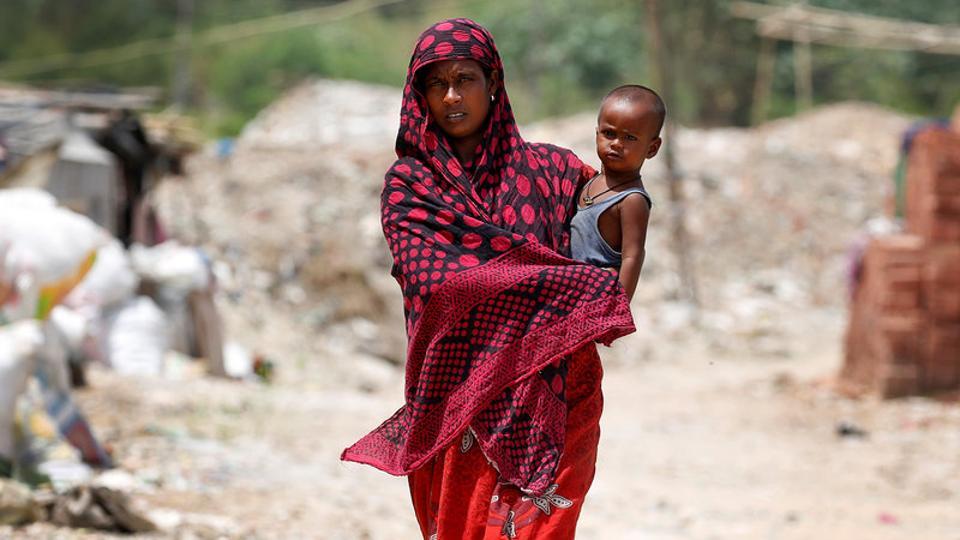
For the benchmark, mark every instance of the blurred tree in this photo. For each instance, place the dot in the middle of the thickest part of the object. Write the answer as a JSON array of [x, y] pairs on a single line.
[[567, 53], [560, 56]]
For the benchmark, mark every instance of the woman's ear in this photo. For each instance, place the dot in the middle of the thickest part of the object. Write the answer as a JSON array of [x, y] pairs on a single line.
[[493, 82]]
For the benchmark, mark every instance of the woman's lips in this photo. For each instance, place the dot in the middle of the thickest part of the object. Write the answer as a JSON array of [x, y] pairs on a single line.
[[456, 116]]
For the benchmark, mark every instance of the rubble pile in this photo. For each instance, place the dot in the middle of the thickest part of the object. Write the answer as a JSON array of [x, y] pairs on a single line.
[[293, 215], [904, 332]]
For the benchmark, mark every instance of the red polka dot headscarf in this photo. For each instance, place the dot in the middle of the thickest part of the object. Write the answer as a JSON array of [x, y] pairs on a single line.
[[421, 138], [492, 307]]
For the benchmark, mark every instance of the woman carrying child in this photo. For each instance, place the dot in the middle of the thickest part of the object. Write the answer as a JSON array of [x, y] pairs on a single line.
[[499, 431]]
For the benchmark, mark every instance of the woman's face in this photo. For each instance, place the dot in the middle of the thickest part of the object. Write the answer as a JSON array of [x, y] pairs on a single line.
[[458, 95]]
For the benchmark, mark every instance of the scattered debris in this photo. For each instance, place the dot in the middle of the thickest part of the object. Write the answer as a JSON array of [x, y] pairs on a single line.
[[887, 518], [95, 507], [847, 429], [17, 506]]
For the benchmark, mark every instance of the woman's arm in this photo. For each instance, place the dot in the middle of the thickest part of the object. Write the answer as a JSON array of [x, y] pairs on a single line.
[[634, 217]]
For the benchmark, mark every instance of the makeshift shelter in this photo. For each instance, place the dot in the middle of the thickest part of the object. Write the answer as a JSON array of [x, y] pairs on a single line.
[[84, 179], [92, 151]]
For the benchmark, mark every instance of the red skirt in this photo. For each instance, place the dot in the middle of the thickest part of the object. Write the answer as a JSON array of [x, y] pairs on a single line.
[[457, 496]]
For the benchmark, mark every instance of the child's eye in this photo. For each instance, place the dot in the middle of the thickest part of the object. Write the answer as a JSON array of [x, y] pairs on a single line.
[[631, 138], [608, 133]]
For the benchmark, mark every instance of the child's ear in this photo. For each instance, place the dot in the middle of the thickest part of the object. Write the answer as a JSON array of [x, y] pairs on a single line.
[[654, 147]]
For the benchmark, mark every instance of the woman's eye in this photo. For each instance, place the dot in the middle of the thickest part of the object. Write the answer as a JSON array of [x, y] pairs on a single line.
[[435, 83]]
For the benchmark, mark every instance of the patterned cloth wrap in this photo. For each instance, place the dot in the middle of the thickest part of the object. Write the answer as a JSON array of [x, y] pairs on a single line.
[[493, 310]]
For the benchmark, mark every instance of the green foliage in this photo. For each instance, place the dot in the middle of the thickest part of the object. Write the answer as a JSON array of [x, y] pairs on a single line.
[[243, 78], [565, 55], [560, 56]]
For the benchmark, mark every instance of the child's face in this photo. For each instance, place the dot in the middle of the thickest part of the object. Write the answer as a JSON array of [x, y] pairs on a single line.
[[626, 135]]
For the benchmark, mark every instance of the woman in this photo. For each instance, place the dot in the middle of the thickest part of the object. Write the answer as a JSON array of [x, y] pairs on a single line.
[[500, 427]]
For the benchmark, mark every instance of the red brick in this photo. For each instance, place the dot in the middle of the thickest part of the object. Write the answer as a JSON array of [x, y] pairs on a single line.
[[942, 230], [893, 300], [903, 275], [943, 265], [860, 356], [892, 272], [942, 205], [889, 296], [895, 249], [907, 321], [945, 184], [895, 381], [856, 356], [941, 283], [944, 305], [896, 338], [933, 185], [883, 351], [941, 366], [933, 154]]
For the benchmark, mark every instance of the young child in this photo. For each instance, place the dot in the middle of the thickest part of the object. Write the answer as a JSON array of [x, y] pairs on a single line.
[[610, 226]]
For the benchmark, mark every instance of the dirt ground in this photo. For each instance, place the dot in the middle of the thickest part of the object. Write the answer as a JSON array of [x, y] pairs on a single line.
[[718, 425], [693, 447]]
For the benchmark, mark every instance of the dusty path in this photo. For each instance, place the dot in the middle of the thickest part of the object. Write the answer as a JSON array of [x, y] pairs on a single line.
[[692, 448], [747, 449]]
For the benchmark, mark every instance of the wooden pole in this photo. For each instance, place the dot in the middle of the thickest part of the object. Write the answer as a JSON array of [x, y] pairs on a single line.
[[762, 86], [843, 28], [182, 57], [678, 228], [802, 70]]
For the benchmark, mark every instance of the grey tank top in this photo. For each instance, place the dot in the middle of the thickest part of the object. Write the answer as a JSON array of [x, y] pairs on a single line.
[[586, 243]]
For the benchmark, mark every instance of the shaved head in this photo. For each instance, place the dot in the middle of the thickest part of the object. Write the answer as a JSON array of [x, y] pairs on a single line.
[[635, 93]]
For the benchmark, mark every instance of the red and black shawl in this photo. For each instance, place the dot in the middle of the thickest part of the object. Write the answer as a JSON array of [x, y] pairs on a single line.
[[492, 307]]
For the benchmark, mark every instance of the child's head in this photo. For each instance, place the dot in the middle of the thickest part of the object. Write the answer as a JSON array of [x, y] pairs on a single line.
[[628, 128]]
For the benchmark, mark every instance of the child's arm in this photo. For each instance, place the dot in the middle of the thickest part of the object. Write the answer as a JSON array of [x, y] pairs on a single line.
[[634, 216]]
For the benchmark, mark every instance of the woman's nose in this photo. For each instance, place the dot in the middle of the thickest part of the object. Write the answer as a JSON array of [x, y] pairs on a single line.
[[452, 96]]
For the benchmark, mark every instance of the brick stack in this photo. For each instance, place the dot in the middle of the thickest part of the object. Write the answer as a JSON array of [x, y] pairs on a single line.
[[904, 333]]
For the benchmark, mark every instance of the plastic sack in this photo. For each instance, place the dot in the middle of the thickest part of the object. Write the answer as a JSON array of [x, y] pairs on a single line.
[[109, 282], [45, 251], [26, 198], [135, 338], [19, 344], [79, 331], [72, 327], [172, 265]]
